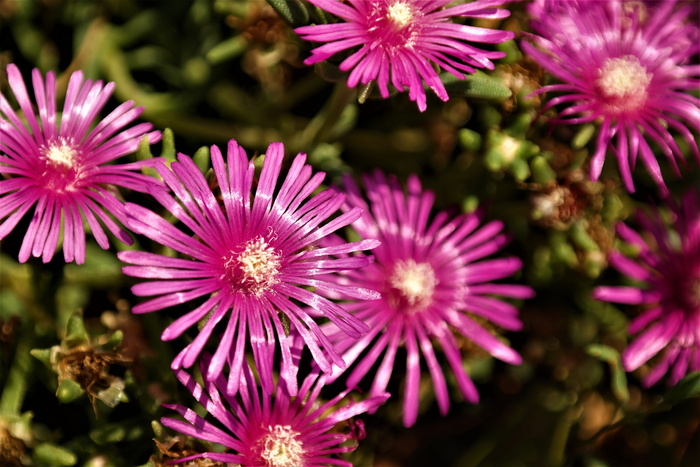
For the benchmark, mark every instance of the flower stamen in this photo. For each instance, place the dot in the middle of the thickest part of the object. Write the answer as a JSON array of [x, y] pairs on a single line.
[[281, 447], [254, 269], [400, 14], [624, 81], [61, 154], [412, 284]]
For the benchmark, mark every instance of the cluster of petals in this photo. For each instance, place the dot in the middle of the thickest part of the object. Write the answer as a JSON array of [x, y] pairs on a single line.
[[262, 429], [60, 164], [667, 268], [628, 67], [398, 42], [436, 284], [247, 258]]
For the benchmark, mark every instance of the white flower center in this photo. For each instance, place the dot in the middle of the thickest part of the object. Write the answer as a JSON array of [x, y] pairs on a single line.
[[282, 448], [62, 154], [253, 269], [400, 13], [624, 78], [414, 282]]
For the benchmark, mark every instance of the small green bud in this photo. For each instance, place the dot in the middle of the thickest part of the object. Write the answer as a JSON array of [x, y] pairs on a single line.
[[168, 142], [542, 172], [68, 391], [43, 355], [50, 454], [470, 140], [114, 341], [202, 158], [520, 169], [227, 50], [76, 334], [583, 136]]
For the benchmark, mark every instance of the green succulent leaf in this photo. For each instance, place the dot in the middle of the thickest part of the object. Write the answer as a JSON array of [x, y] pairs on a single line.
[[686, 388], [476, 85], [50, 454], [618, 377], [292, 11]]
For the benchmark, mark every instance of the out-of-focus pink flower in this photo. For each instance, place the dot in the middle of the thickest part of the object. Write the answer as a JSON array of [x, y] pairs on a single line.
[[629, 69], [668, 270], [59, 164]]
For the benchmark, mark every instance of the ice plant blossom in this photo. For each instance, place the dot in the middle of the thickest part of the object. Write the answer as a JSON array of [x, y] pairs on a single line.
[[667, 269], [400, 40], [264, 430], [60, 164], [435, 283], [249, 255], [630, 70]]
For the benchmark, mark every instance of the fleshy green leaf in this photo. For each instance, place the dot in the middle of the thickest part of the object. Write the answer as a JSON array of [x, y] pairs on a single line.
[[76, 334], [168, 142], [202, 159], [618, 380], [292, 11], [542, 172], [477, 85], [686, 388], [50, 454], [68, 391]]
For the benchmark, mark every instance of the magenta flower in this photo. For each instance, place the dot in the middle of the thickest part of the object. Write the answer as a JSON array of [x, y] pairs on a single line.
[[266, 431], [400, 40], [668, 270], [627, 70], [434, 282], [252, 261], [59, 163]]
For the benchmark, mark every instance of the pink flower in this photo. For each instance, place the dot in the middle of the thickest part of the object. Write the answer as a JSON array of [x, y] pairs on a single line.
[[249, 256], [279, 431], [627, 68], [400, 40], [434, 282], [60, 164], [668, 270]]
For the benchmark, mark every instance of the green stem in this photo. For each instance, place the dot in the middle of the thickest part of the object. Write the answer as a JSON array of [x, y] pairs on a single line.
[[17, 380], [557, 448], [317, 129]]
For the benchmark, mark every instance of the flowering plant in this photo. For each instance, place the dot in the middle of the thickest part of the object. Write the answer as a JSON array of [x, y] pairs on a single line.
[[381, 277]]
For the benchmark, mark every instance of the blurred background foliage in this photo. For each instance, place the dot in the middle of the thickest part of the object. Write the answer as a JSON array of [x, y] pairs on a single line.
[[212, 70]]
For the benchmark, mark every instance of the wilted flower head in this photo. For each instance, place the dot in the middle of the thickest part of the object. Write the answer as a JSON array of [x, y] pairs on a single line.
[[628, 69], [272, 431], [59, 163], [435, 283], [251, 256], [400, 40], [668, 270]]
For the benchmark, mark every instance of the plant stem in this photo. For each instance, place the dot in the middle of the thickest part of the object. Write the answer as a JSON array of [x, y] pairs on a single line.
[[17, 380], [317, 129]]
